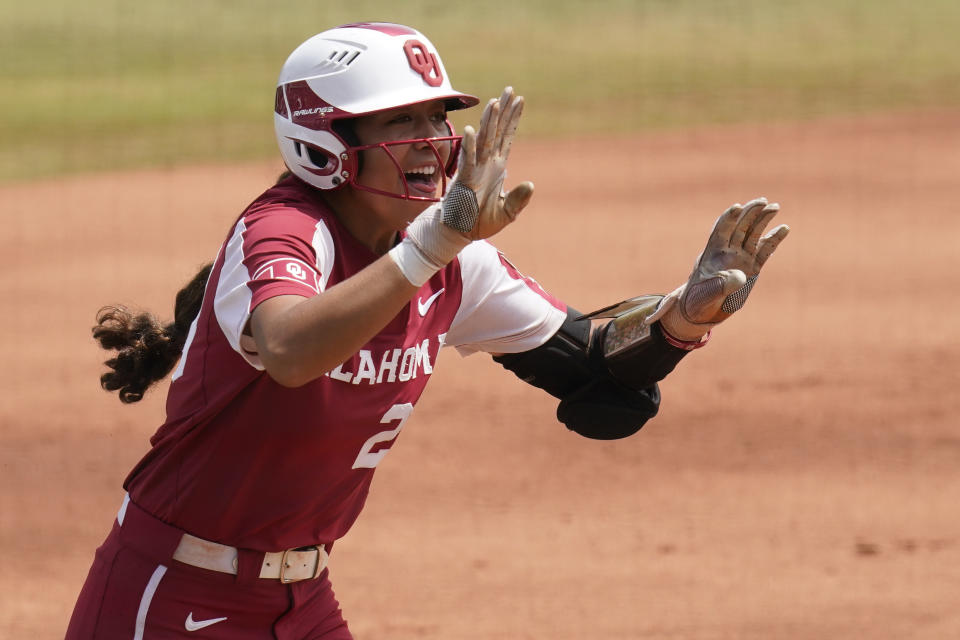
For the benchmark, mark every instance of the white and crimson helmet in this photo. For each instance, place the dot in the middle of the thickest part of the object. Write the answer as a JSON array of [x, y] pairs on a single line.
[[350, 71]]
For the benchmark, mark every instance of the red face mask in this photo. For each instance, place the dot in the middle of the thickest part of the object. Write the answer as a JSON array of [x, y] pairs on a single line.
[[418, 185]]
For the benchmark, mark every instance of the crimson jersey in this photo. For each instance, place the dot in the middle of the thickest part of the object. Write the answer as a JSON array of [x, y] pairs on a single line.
[[244, 461]]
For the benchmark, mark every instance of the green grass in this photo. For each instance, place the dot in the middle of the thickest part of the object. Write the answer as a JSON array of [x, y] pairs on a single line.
[[102, 84]]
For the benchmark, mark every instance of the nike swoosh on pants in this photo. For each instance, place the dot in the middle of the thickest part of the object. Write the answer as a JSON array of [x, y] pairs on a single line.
[[195, 625]]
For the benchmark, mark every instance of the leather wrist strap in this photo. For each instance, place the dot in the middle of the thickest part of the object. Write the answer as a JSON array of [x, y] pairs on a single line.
[[686, 345]]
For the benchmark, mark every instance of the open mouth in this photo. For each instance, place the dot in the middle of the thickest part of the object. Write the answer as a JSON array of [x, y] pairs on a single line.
[[423, 179]]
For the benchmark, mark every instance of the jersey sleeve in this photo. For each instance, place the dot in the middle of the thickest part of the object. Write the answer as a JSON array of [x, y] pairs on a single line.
[[501, 310], [269, 254]]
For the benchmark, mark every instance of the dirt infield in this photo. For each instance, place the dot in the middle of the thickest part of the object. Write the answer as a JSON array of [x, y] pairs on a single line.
[[802, 479]]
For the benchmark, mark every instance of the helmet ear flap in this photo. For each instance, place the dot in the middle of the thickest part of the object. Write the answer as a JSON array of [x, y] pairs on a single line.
[[454, 160], [316, 157]]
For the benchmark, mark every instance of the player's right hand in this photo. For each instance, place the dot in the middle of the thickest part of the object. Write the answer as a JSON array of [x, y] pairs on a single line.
[[725, 271], [476, 205]]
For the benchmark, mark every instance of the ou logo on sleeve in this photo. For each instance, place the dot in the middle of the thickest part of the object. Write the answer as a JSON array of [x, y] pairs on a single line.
[[424, 62], [296, 271]]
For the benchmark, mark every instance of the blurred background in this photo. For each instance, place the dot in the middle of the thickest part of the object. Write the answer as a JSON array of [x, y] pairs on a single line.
[[112, 84], [802, 478]]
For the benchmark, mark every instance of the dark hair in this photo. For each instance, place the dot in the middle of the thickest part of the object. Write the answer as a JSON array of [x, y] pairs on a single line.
[[345, 129], [146, 350]]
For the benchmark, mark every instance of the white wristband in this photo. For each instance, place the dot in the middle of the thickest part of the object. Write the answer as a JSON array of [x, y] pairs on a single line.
[[428, 246], [413, 264]]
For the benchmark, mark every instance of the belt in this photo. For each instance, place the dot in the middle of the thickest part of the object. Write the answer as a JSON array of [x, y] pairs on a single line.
[[290, 565]]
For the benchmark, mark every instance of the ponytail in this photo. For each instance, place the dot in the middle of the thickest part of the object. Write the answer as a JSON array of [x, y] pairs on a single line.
[[146, 350]]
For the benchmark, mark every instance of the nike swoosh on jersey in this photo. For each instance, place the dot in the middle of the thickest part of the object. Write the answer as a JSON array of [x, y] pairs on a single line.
[[423, 307], [195, 625]]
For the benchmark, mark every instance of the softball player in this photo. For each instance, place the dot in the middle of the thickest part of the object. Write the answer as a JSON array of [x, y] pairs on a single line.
[[299, 354]]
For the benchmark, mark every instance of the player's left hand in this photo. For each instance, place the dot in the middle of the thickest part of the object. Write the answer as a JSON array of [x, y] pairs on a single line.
[[724, 273], [476, 204]]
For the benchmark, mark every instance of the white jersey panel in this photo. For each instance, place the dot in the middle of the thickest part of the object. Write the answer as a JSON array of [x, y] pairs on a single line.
[[498, 313], [186, 349], [189, 341], [231, 303], [323, 246]]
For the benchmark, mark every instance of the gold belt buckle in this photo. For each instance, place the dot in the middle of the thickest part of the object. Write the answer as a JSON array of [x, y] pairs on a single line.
[[317, 567]]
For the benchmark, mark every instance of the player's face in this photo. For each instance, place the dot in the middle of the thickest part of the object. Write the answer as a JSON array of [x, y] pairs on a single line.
[[418, 161], [374, 218]]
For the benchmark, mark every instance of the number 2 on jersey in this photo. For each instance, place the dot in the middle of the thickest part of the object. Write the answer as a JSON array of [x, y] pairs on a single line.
[[368, 459]]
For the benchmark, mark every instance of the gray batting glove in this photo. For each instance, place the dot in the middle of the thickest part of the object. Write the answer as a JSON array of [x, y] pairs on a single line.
[[724, 273]]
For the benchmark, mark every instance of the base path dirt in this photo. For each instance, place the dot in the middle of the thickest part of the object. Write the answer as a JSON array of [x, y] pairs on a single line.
[[801, 481]]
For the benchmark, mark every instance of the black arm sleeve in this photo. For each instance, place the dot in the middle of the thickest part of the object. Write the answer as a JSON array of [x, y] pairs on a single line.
[[594, 401]]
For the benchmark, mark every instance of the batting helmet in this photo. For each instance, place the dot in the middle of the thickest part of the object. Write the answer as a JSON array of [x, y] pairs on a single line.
[[350, 71]]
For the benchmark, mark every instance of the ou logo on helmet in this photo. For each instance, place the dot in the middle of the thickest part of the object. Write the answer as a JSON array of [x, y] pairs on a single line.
[[423, 62]]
